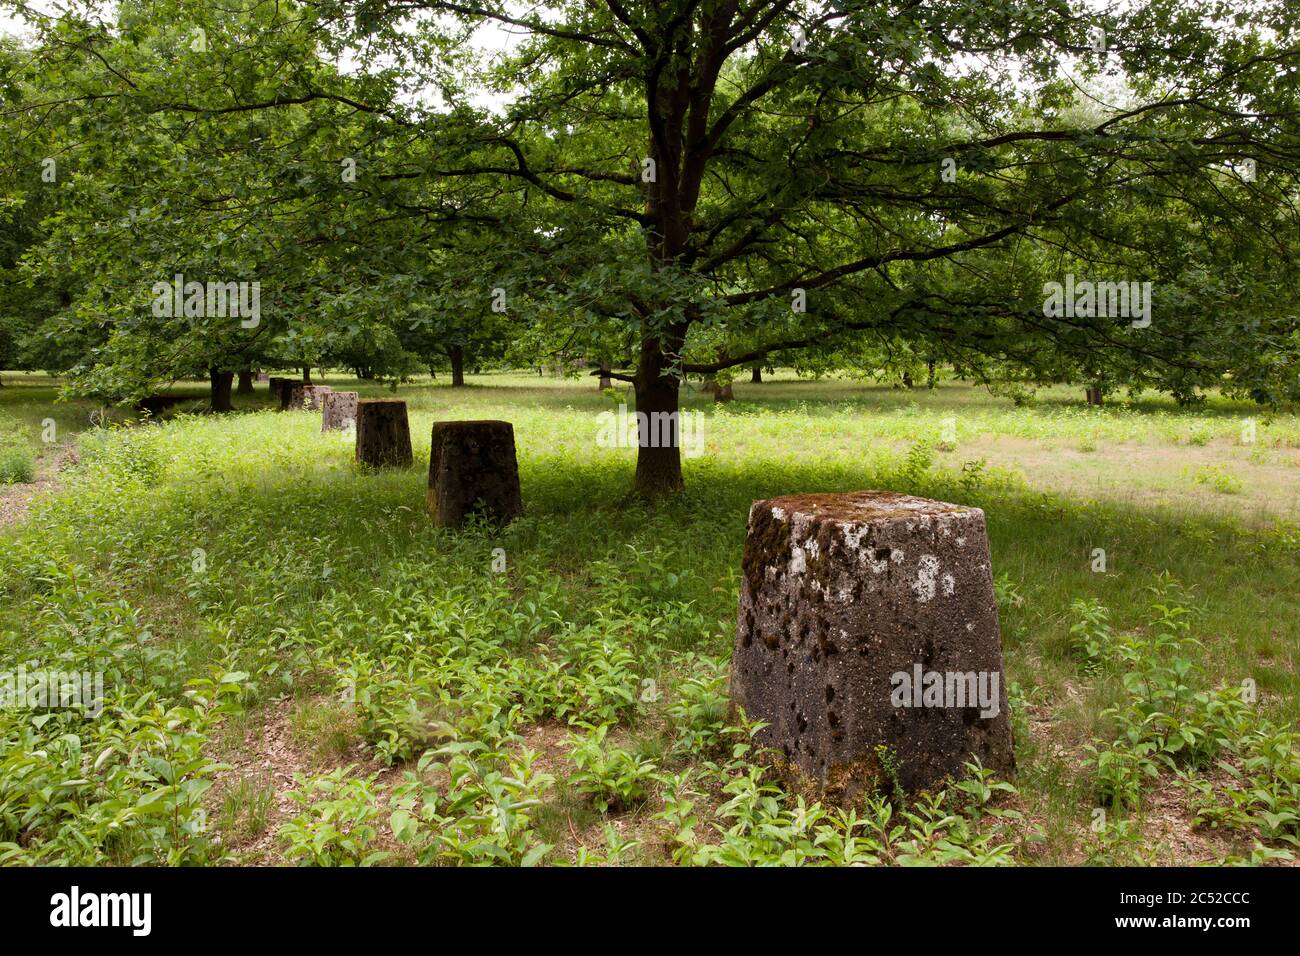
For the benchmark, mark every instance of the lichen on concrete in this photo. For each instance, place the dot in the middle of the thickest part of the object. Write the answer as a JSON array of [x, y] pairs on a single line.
[[838, 593]]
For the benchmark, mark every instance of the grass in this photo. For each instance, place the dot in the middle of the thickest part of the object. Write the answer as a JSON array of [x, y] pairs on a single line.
[[326, 729], [219, 566], [246, 808], [17, 457]]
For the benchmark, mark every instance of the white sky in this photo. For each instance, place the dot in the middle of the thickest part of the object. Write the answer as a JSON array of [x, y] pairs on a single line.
[[491, 38], [494, 38], [9, 25]]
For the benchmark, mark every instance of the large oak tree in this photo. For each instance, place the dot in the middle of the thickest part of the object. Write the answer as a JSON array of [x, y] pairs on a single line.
[[723, 183]]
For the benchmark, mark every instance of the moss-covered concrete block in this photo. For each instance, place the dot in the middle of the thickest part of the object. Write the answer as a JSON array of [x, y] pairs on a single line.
[[472, 468]]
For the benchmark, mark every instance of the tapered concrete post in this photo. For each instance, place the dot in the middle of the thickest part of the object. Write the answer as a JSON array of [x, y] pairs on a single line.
[[383, 433], [307, 396], [472, 466], [868, 641], [338, 411]]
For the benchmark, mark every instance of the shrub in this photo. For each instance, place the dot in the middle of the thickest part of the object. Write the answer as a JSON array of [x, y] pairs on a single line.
[[17, 464], [337, 824], [1219, 478]]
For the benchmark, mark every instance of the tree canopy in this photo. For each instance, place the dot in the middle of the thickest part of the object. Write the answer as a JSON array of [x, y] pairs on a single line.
[[671, 187]]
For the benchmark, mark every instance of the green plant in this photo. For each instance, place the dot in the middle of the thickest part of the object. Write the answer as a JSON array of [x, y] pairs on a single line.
[[1006, 592], [617, 849], [246, 808], [125, 788], [17, 464], [917, 463], [700, 707], [123, 453], [1219, 478], [973, 476], [337, 824], [1123, 767], [486, 815], [1169, 723], [1264, 795], [1091, 637], [612, 777], [325, 727], [761, 825], [1120, 842]]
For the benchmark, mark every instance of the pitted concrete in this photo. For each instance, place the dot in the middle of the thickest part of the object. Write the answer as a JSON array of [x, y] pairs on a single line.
[[840, 593]]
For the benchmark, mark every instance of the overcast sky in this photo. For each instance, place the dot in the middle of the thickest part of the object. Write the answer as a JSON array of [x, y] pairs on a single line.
[[494, 37]]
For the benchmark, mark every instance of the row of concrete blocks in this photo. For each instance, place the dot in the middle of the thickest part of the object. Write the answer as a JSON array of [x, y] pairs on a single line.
[[867, 638], [472, 467]]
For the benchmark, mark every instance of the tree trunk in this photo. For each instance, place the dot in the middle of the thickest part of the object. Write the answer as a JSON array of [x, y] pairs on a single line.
[[1094, 395], [457, 355], [221, 382], [605, 380], [756, 375], [658, 463], [306, 374], [245, 382], [929, 381], [433, 372]]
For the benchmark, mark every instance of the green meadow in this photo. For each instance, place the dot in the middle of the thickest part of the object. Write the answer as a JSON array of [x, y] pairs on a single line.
[[299, 668]]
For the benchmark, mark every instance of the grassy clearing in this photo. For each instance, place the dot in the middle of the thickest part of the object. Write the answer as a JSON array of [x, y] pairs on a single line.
[[236, 579]]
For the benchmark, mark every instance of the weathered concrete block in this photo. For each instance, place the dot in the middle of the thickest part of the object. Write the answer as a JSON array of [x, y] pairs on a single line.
[[282, 388], [338, 411], [307, 397], [157, 404], [868, 640], [383, 433], [472, 464]]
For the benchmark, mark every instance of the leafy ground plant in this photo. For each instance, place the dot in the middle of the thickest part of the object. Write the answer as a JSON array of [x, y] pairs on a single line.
[[614, 778], [337, 824]]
